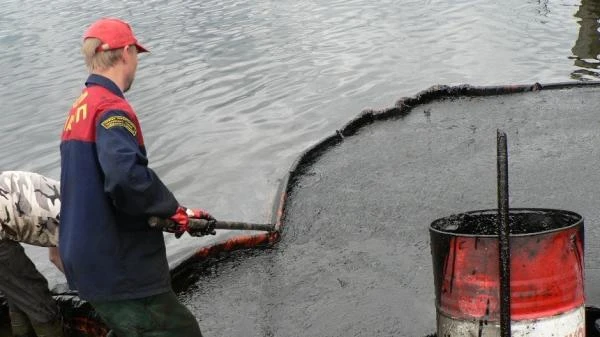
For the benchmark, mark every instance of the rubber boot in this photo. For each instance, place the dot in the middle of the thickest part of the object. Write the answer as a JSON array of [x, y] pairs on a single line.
[[50, 329], [20, 324]]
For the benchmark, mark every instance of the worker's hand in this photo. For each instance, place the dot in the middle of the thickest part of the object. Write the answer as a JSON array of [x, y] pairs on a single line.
[[199, 213], [207, 229], [182, 220], [54, 257]]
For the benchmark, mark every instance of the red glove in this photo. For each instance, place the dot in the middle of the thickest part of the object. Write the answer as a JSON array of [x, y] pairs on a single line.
[[202, 214], [182, 219], [199, 213]]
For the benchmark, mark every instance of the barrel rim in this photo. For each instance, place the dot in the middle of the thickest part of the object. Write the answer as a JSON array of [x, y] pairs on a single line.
[[577, 217]]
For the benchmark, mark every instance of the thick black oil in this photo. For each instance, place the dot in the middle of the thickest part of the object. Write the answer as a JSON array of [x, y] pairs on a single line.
[[520, 222], [355, 257]]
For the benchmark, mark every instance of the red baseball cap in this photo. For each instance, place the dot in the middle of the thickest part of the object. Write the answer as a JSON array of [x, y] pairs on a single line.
[[114, 34]]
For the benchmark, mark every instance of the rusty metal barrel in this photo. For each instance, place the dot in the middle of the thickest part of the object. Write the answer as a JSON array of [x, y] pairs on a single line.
[[546, 273]]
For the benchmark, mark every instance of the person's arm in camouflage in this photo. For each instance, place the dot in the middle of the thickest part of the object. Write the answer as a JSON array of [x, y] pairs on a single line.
[[29, 207], [55, 258]]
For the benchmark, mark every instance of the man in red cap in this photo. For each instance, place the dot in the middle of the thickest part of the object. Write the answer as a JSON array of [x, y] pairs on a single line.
[[110, 254]]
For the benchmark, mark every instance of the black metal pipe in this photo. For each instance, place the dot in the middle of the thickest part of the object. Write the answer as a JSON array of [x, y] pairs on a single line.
[[503, 234], [200, 224]]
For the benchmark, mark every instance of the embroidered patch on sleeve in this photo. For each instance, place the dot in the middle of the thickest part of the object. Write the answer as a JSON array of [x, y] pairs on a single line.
[[120, 121]]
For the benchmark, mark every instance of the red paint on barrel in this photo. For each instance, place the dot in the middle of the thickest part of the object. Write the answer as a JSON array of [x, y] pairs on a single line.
[[547, 276]]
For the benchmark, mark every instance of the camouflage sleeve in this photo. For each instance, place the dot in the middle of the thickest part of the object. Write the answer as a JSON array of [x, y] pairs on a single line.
[[29, 208]]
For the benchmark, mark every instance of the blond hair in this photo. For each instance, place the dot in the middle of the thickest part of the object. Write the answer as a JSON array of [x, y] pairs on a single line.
[[97, 61]]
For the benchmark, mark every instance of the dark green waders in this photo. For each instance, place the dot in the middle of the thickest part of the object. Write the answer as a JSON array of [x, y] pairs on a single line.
[[155, 316], [31, 306]]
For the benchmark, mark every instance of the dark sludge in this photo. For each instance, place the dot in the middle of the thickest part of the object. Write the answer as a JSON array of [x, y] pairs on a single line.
[[521, 221], [360, 202], [353, 256]]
